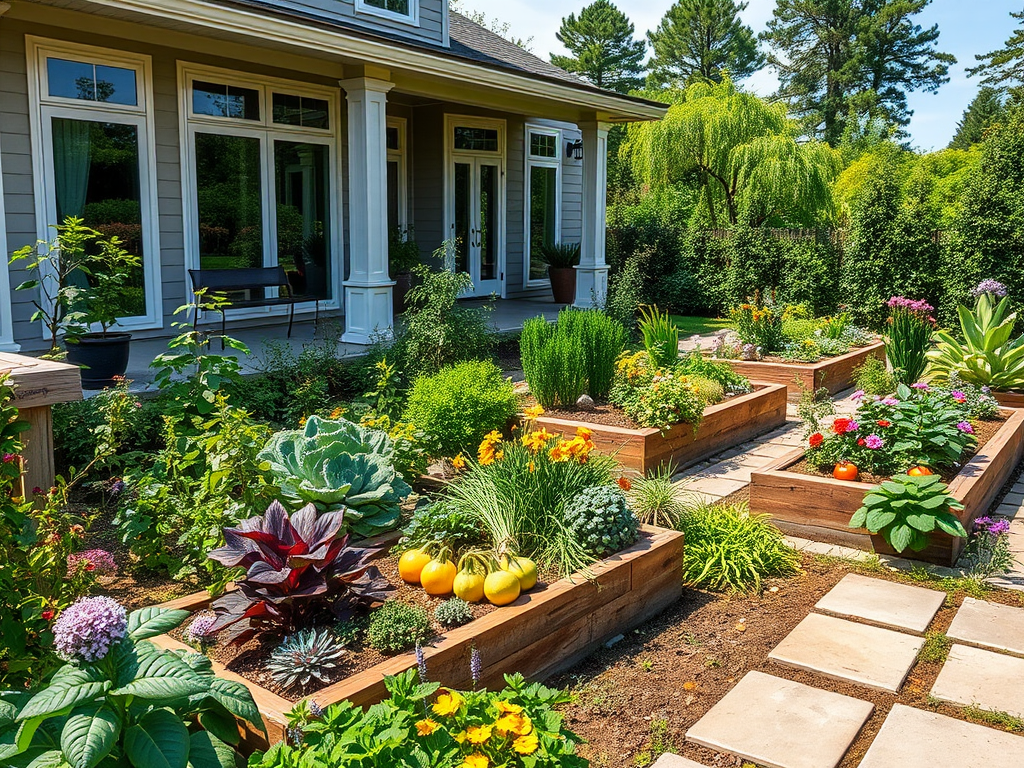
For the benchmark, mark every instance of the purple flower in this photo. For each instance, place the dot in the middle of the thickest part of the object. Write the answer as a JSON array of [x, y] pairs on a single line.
[[965, 427], [921, 385], [97, 561], [421, 662], [901, 302], [853, 426], [315, 709], [992, 527], [990, 286], [88, 629], [957, 395], [986, 390], [199, 631], [10, 458], [874, 442], [858, 395], [117, 487], [890, 401], [476, 666]]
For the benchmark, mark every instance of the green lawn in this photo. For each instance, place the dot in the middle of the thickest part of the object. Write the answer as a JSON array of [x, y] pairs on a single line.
[[689, 325]]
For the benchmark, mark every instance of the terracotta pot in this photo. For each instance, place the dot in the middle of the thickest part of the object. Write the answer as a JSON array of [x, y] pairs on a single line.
[[101, 357], [403, 283], [563, 284]]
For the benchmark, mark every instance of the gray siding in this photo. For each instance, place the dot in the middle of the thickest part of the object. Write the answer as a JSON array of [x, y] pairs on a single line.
[[431, 27]]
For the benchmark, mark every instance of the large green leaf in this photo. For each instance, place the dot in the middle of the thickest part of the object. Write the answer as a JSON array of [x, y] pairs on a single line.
[[207, 751], [162, 675], [220, 723], [922, 521], [71, 687], [150, 622], [159, 740], [89, 734], [51, 759], [900, 537], [879, 518], [237, 700]]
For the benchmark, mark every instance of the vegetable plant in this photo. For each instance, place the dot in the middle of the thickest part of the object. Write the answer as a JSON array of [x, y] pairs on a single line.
[[906, 509], [300, 572], [122, 701], [339, 465], [599, 519]]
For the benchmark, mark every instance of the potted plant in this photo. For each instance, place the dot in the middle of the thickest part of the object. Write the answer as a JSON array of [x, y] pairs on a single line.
[[81, 277], [403, 255], [561, 259]]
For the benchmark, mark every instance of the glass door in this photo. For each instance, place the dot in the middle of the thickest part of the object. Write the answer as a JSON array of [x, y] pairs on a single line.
[[476, 222]]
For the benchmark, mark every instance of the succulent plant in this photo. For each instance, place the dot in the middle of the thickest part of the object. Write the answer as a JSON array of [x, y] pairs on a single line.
[[308, 655], [600, 520], [339, 464], [453, 612]]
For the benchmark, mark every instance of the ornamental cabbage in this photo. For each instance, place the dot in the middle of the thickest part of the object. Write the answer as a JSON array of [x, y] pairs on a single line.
[[336, 465]]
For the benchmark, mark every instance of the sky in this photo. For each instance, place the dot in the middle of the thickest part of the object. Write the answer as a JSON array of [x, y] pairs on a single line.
[[966, 27]]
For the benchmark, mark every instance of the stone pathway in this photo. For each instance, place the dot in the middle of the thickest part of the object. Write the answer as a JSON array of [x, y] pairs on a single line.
[[779, 723]]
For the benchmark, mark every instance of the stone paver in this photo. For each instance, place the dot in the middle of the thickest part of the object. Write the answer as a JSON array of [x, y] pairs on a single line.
[[1009, 511], [989, 680], [668, 760], [782, 724], [769, 450], [845, 650], [913, 738], [718, 487], [989, 625], [886, 603]]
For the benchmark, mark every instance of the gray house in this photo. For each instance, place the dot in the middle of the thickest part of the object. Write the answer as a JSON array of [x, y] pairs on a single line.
[[225, 134]]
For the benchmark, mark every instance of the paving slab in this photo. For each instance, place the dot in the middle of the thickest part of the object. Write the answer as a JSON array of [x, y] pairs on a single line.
[[782, 724], [988, 680], [845, 650], [769, 450], [886, 603], [913, 738], [989, 625], [714, 486], [668, 760]]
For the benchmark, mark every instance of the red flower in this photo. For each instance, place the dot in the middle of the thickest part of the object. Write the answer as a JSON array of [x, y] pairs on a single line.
[[861, 442], [625, 483], [884, 423], [841, 426], [47, 615], [816, 439]]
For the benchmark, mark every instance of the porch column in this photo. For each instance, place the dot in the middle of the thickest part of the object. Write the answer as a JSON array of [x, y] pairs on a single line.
[[592, 272], [368, 304]]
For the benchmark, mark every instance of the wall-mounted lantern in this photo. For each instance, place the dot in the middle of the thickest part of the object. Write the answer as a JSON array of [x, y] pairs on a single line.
[[574, 149]]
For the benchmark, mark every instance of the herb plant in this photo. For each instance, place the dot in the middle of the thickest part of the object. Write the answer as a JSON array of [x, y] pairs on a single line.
[[874, 378], [905, 510], [397, 627], [601, 521], [655, 499], [453, 612], [660, 335], [441, 523]]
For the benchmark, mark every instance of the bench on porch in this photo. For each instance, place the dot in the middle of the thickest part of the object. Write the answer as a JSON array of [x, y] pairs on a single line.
[[251, 279]]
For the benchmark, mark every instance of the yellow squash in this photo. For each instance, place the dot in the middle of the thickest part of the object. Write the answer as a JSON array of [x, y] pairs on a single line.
[[469, 581], [524, 569], [501, 587], [437, 577], [411, 564]]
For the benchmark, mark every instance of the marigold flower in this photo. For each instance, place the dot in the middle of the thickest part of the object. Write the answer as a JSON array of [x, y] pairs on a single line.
[[534, 412], [426, 727], [478, 734], [447, 703], [816, 439], [476, 760], [625, 483], [459, 462], [526, 745]]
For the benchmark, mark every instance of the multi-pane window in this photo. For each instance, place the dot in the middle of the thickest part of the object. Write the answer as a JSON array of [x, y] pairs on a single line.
[[543, 169], [476, 139], [406, 11], [87, 81], [398, 213]]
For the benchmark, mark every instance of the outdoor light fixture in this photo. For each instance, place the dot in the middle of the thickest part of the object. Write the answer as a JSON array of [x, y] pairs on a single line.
[[574, 150]]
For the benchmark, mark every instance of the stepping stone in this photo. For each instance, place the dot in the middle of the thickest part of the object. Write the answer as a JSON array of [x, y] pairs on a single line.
[[782, 724], [913, 738], [886, 603], [845, 650], [988, 680], [989, 625], [668, 760]]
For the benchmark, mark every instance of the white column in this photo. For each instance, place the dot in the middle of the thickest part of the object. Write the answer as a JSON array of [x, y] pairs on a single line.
[[368, 302], [592, 272]]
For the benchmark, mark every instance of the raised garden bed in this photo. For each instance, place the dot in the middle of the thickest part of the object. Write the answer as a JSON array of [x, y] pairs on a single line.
[[820, 508], [1009, 399], [727, 424], [834, 373], [545, 631]]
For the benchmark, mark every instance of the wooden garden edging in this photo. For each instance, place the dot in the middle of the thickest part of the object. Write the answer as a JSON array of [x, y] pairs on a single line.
[[544, 632], [1009, 399], [820, 508], [727, 424], [835, 373]]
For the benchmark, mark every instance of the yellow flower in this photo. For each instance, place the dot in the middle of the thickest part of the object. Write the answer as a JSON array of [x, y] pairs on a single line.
[[533, 467], [534, 412], [337, 413], [584, 432], [426, 727], [526, 745], [459, 462], [478, 734], [499, 455], [494, 436], [513, 722], [559, 453], [476, 760], [537, 439], [505, 707], [447, 703]]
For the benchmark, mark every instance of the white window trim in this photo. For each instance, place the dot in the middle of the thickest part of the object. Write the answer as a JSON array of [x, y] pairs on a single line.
[[44, 107], [542, 162], [267, 131], [401, 156], [7, 343], [450, 155], [412, 18]]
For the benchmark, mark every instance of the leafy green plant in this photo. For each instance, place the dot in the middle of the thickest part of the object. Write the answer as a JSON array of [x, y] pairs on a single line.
[[339, 465], [133, 704], [600, 520], [696, 364], [989, 355], [559, 255], [307, 656], [655, 499], [667, 400], [420, 725], [602, 340], [727, 548], [397, 627], [453, 612], [459, 405], [905, 510], [874, 378], [910, 328], [403, 252], [660, 336], [554, 365], [440, 523], [759, 324]]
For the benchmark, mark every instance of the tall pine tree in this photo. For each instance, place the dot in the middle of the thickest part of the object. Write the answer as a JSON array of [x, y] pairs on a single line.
[[985, 110], [699, 39], [1004, 68], [604, 50]]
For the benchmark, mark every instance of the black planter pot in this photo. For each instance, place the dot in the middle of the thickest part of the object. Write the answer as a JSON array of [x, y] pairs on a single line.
[[101, 357]]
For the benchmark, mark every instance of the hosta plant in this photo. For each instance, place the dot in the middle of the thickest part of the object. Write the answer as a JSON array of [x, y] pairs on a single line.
[[339, 464], [300, 572], [122, 702], [308, 655], [906, 509]]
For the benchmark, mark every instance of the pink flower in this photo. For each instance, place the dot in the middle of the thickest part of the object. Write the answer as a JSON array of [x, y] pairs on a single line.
[[890, 401], [858, 395], [853, 426], [874, 442], [965, 427], [10, 458], [921, 385], [958, 395]]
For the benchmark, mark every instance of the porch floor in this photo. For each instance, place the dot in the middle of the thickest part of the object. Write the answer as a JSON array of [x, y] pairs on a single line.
[[508, 315]]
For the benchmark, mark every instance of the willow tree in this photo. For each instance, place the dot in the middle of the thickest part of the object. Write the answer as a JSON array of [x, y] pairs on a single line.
[[744, 153]]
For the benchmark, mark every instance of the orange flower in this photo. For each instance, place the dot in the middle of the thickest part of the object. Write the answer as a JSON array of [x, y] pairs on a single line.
[[426, 727], [534, 412], [537, 439], [560, 453], [533, 467], [459, 462], [478, 734], [625, 483], [584, 432]]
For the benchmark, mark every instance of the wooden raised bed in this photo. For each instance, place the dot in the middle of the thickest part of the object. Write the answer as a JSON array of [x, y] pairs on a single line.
[[835, 373], [1009, 399], [820, 508], [544, 632], [727, 424]]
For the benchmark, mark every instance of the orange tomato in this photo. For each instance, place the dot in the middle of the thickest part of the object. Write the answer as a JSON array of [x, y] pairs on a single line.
[[844, 470], [919, 471]]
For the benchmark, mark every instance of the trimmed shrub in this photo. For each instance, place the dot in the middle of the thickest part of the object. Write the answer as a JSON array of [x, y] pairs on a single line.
[[459, 405]]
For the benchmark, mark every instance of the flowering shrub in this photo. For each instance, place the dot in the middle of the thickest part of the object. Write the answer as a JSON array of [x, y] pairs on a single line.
[[658, 397], [988, 553], [95, 561], [760, 326], [88, 629], [910, 328], [422, 724]]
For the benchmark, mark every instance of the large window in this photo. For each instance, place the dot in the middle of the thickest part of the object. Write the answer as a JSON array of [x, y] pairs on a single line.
[[544, 196], [262, 160], [405, 11], [91, 110]]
